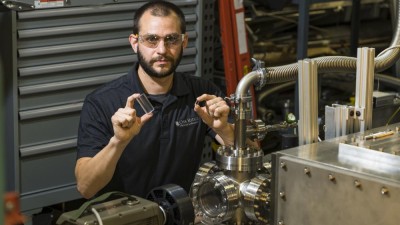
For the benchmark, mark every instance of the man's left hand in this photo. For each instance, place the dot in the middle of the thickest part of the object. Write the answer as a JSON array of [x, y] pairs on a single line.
[[214, 112]]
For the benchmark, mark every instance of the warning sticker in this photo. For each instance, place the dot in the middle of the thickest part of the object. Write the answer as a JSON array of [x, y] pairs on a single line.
[[48, 3]]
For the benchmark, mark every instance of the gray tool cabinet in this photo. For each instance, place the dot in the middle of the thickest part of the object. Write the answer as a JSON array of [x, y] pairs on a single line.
[[52, 56]]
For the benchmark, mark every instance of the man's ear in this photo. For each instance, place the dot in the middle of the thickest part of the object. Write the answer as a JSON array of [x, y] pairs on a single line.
[[185, 41], [133, 40]]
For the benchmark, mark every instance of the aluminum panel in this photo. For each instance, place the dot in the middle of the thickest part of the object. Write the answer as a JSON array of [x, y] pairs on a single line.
[[353, 179], [312, 194]]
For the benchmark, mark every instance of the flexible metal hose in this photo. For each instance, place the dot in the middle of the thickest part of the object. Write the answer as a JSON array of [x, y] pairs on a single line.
[[340, 63]]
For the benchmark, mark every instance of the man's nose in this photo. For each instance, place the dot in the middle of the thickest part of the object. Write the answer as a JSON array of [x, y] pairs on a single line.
[[161, 48]]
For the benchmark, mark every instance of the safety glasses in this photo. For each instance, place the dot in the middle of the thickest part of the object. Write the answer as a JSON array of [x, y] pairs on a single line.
[[152, 40]]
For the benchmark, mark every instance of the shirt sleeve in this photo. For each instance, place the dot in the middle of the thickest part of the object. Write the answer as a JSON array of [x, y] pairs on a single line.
[[95, 130]]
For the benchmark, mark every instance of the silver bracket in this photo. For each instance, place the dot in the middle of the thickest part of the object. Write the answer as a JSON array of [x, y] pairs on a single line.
[[18, 6]]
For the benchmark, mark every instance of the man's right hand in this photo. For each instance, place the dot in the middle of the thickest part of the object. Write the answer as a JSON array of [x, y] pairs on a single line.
[[93, 173], [126, 124]]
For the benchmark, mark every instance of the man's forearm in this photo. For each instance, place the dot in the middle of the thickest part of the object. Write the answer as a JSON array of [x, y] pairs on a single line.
[[92, 174], [226, 135]]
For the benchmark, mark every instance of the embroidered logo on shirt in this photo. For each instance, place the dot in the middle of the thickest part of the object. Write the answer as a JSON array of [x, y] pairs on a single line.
[[187, 122]]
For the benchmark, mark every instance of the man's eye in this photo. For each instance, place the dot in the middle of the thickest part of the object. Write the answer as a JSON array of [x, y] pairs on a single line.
[[152, 39], [171, 39]]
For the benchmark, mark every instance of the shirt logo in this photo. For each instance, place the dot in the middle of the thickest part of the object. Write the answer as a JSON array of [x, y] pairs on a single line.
[[187, 122]]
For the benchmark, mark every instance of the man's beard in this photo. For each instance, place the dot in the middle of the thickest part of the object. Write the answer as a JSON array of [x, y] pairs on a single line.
[[146, 65]]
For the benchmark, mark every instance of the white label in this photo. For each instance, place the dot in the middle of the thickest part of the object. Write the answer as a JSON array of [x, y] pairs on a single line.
[[48, 4], [238, 4], [241, 32]]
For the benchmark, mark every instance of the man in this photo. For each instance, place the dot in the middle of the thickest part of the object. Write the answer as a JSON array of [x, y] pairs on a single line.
[[120, 148]]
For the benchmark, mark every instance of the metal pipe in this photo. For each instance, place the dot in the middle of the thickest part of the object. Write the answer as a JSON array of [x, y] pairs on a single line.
[[241, 96], [246, 82]]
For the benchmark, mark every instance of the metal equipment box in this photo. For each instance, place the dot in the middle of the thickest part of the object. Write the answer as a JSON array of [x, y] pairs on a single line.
[[350, 180], [133, 210]]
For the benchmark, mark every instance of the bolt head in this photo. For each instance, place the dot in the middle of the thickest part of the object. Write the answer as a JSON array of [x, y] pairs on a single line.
[[357, 183], [384, 191]]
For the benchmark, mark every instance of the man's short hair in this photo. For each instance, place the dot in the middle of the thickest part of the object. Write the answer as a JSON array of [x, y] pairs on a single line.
[[161, 9]]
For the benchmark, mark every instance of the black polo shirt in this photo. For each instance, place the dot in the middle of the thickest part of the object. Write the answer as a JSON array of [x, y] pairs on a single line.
[[168, 148]]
